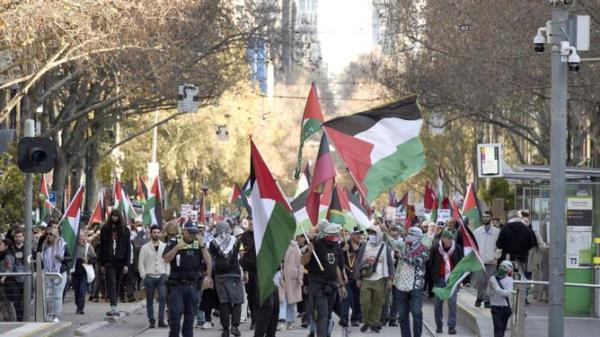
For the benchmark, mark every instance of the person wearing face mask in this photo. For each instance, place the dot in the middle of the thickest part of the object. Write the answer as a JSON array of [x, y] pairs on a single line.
[[409, 282], [501, 288], [373, 271], [486, 237], [114, 256], [154, 272]]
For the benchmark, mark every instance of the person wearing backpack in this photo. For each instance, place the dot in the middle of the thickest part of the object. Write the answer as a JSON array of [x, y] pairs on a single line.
[[373, 270], [225, 250], [501, 289]]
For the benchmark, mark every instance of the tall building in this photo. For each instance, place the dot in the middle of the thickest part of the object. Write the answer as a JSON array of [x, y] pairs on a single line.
[[309, 53], [379, 25]]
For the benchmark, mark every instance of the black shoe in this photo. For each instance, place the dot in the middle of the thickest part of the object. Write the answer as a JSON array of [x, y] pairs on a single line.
[[487, 305], [152, 325], [439, 330], [451, 331], [478, 302], [311, 334], [235, 331], [343, 323], [375, 328], [392, 322], [161, 324], [79, 312], [364, 328], [304, 324], [354, 323], [225, 333], [131, 299]]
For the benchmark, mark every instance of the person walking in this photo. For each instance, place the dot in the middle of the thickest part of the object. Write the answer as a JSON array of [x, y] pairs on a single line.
[[444, 257], [248, 263], [185, 257], [373, 270], [154, 272], [20, 257], [54, 250], [515, 240], [290, 288], [501, 288], [114, 256], [85, 256], [228, 278], [486, 237], [325, 277], [7, 285], [350, 249]]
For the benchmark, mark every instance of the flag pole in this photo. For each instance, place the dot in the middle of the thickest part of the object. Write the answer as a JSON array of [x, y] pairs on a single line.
[[314, 253]]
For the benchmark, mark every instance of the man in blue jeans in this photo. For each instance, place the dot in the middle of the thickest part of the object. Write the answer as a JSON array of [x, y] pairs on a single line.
[[409, 281], [153, 270]]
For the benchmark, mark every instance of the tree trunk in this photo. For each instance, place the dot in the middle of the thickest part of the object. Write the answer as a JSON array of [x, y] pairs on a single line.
[[60, 178], [91, 169]]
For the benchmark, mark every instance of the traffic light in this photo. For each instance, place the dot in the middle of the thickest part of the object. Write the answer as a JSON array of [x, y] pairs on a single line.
[[36, 155]]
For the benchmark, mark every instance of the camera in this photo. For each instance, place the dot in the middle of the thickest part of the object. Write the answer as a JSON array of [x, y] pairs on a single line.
[[539, 40], [573, 61]]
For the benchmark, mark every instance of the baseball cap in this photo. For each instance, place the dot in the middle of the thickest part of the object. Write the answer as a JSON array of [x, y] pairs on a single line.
[[190, 227]]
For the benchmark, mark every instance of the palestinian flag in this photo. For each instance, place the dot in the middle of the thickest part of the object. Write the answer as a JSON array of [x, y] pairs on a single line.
[[299, 203], [45, 206], [69, 223], [440, 197], [324, 173], [98, 214], [311, 122], [339, 209], [122, 202], [471, 261], [274, 223], [235, 194], [380, 147], [142, 191], [359, 213], [153, 207], [392, 201], [471, 207], [403, 202], [429, 197]]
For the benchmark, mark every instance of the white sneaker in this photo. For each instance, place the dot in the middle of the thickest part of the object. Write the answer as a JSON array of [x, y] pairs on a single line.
[[55, 320], [290, 326], [207, 325], [281, 327]]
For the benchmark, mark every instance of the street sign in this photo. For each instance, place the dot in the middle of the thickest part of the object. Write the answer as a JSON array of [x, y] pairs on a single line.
[[52, 198], [187, 98], [489, 160]]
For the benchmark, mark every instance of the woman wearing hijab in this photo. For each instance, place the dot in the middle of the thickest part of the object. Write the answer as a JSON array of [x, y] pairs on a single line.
[[228, 278], [54, 250]]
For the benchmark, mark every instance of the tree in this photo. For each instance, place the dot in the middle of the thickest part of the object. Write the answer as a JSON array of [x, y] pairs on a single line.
[[12, 184]]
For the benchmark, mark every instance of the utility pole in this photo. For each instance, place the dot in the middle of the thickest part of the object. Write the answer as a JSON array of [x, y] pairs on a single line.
[[29, 132], [558, 157]]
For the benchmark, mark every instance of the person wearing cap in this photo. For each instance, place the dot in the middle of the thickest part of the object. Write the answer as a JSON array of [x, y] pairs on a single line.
[[373, 270], [501, 289], [445, 255], [350, 248], [154, 272], [186, 257], [324, 284], [224, 250]]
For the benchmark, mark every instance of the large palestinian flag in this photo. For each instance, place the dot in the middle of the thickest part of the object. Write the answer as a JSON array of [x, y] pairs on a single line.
[[471, 207], [380, 147], [274, 223], [324, 174], [311, 122], [69, 223], [153, 207], [122, 202], [471, 261]]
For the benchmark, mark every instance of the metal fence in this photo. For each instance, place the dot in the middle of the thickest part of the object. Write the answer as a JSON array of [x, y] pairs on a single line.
[[12, 299]]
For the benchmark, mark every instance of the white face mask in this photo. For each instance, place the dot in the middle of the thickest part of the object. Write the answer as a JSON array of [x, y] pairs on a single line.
[[373, 239]]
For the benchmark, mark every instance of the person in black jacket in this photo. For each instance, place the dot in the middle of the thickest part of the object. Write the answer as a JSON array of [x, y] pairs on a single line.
[[114, 255], [516, 239], [445, 255]]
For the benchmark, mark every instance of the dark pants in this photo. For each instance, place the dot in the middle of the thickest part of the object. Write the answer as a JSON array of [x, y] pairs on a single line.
[[99, 283], [153, 284], [500, 316], [352, 301], [251, 295], [267, 315], [322, 297], [80, 286], [394, 304], [183, 301], [227, 310], [114, 278], [410, 302]]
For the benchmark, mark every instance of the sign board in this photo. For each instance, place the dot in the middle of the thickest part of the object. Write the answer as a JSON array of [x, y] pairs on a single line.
[[420, 209], [187, 98], [489, 160], [579, 211], [443, 215], [186, 209], [52, 198], [579, 249]]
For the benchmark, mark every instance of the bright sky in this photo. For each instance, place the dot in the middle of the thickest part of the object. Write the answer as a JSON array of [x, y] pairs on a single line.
[[344, 28]]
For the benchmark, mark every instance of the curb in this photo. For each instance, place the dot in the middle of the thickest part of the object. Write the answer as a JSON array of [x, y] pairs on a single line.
[[477, 319], [88, 329]]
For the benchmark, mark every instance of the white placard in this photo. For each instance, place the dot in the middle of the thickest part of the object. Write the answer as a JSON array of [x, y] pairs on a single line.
[[443, 215], [186, 209], [187, 98], [489, 160]]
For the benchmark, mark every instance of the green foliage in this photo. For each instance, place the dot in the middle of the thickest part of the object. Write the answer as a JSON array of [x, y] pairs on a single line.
[[498, 188], [12, 185]]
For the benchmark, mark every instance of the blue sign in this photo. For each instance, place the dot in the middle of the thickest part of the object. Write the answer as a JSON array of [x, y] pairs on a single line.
[[52, 198]]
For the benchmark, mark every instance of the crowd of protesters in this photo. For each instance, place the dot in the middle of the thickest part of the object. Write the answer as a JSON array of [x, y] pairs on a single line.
[[370, 278]]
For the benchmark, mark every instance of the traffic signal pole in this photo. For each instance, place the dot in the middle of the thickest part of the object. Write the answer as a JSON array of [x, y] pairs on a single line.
[[27, 314]]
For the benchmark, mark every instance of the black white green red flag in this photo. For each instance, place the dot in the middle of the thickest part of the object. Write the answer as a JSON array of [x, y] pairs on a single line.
[[273, 221], [299, 203], [471, 207], [45, 206], [311, 122], [69, 223], [322, 179], [359, 213], [122, 202], [380, 147], [98, 213], [153, 207]]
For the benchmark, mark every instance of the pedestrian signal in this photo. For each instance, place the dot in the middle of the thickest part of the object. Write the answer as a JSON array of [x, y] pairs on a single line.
[[36, 155]]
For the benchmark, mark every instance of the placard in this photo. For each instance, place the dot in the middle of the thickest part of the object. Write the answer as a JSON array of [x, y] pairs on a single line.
[[443, 215], [489, 160]]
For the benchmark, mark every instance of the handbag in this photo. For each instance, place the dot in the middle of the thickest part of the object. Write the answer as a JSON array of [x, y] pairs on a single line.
[[368, 269], [89, 268]]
